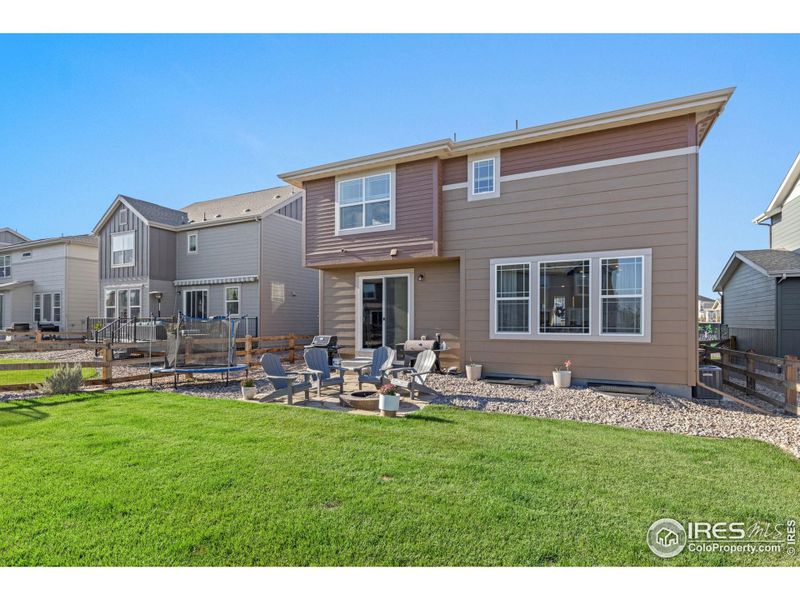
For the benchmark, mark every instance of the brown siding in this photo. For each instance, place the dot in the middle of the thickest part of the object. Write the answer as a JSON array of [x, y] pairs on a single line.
[[666, 134], [454, 170], [638, 205], [417, 192], [436, 305]]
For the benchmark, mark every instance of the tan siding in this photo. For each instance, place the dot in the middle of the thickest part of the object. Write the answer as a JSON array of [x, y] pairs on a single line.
[[655, 136], [414, 236], [436, 305], [638, 205]]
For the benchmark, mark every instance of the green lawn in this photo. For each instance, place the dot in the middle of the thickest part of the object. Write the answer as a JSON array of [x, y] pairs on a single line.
[[142, 478], [33, 375]]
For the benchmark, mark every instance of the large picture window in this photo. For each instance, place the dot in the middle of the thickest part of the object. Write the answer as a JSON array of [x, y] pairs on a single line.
[[622, 281], [122, 247], [513, 298], [564, 297], [365, 202], [593, 296]]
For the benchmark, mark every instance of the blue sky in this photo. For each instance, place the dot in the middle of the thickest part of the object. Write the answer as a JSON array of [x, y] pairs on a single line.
[[175, 119]]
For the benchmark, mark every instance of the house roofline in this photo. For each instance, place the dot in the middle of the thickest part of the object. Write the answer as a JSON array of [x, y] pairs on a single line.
[[727, 270], [710, 104], [82, 240], [15, 232], [786, 186]]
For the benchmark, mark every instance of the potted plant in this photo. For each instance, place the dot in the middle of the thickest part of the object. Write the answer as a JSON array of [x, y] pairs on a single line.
[[389, 400], [562, 375], [248, 389], [473, 370]]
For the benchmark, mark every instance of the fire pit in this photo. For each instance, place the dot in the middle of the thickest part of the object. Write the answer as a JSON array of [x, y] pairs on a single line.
[[360, 400]]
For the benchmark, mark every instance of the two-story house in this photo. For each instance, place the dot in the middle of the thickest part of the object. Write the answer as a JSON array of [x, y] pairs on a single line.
[[573, 240], [51, 281], [761, 288], [239, 255]]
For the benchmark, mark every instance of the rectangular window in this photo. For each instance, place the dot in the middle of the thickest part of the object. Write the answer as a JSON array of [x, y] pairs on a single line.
[[191, 243], [26, 255], [5, 266], [365, 202], [47, 307], [564, 297], [123, 217], [122, 247], [513, 297], [483, 176], [621, 295], [195, 303], [232, 300], [111, 304]]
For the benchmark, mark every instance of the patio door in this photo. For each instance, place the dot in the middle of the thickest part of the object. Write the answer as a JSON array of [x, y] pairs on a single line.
[[384, 310], [196, 303]]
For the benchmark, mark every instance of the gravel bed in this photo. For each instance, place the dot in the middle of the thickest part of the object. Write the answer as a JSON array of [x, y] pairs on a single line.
[[660, 412]]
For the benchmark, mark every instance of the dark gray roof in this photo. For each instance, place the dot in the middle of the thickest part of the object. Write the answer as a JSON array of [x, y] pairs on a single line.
[[774, 262], [156, 213], [240, 205]]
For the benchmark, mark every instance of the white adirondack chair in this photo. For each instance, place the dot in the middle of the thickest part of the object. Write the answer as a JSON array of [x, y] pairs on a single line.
[[423, 367]]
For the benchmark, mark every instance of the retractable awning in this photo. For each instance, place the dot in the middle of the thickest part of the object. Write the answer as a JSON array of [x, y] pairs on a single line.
[[216, 280]]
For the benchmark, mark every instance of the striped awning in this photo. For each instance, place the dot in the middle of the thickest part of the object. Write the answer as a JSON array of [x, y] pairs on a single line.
[[216, 280]]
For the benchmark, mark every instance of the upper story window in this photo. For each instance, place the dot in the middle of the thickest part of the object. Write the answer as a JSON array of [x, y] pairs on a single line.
[[365, 204], [122, 247], [26, 255], [5, 265], [122, 217], [483, 177], [191, 243]]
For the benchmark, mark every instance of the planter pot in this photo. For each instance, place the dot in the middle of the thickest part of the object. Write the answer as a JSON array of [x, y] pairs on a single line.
[[248, 393], [474, 372], [389, 404], [562, 379]]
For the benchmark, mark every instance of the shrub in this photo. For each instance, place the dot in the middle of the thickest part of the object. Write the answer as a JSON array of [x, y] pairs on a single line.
[[248, 383], [65, 379]]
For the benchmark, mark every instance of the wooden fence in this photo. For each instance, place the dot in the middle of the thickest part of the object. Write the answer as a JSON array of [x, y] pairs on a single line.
[[249, 348], [758, 375]]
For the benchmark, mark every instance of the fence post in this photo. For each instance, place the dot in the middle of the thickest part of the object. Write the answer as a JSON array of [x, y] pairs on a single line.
[[750, 367], [187, 356], [724, 357], [292, 343], [108, 357], [38, 336], [248, 349], [790, 383]]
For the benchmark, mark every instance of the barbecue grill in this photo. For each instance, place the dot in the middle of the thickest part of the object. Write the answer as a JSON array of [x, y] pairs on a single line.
[[410, 349], [327, 342]]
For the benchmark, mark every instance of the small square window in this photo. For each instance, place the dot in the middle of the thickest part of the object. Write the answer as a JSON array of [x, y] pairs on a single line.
[[483, 176]]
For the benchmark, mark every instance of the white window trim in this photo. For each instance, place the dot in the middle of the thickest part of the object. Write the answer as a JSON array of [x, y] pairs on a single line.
[[360, 276], [495, 299], [48, 318], [185, 297], [595, 302], [643, 296], [495, 193], [115, 289], [225, 300], [27, 255], [564, 335], [123, 265], [4, 266], [123, 222], [196, 243], [364, 228]]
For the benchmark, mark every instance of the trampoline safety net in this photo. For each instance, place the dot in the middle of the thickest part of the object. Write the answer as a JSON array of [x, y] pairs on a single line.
[[200, 343]]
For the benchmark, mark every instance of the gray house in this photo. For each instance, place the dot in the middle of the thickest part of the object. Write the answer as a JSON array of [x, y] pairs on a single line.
[[761, 288], [238, 255], [51, 281]]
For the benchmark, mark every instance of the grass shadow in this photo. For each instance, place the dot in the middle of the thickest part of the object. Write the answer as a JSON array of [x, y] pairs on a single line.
[[420, 416]]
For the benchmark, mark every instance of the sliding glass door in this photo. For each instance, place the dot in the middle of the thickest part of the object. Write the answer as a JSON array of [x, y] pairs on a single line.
[[385, 310]]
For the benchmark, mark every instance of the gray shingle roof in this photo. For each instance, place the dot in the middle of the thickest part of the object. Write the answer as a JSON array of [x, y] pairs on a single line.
[[240, 205], [157, 213], [774, 262]]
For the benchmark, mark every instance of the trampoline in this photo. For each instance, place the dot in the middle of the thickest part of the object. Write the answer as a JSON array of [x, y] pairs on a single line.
[[200, 346]]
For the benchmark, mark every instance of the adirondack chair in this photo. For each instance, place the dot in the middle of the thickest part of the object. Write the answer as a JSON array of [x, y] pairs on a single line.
[[423, 366], [285, 385], [382, 359], [317, 365]]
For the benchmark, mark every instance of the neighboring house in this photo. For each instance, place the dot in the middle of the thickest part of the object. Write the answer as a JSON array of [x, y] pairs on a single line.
[[51, 281], [573, 240], [708, 310], [239, 255], [761, 288]]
